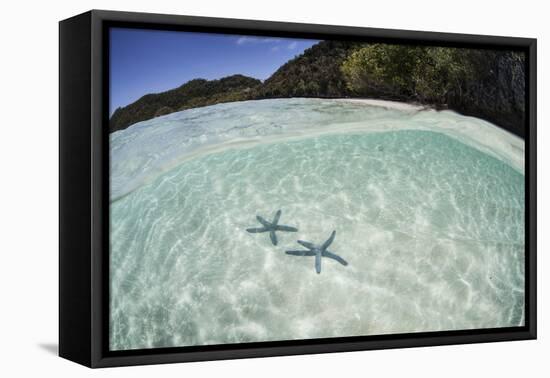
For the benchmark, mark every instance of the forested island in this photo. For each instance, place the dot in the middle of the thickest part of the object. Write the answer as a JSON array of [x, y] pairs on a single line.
[[488, 84]]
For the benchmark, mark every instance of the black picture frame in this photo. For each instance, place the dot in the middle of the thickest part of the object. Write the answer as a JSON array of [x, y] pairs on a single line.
[[84, 205]]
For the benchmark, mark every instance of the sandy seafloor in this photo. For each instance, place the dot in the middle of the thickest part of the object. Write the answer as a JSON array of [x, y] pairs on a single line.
[[428, 209]]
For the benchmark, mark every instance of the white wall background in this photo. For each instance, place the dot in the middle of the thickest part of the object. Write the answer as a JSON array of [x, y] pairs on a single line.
[[29, 188]]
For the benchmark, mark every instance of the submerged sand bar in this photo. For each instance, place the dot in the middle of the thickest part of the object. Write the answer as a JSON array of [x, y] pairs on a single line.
[[146, 149]]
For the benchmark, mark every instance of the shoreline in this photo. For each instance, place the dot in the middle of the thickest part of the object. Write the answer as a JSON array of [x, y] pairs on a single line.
[[387, 104]]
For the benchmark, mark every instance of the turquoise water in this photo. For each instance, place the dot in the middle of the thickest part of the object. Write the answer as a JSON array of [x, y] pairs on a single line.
[[431, 225]]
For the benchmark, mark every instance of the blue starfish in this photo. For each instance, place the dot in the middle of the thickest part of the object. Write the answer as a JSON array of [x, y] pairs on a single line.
[[271, 227], [318, 251]]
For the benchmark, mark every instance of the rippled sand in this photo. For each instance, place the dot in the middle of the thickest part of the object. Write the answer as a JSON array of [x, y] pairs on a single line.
[[432, 227]]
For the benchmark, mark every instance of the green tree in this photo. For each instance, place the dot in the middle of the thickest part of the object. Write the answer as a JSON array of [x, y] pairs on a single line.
[[382, 69], [421, 73]]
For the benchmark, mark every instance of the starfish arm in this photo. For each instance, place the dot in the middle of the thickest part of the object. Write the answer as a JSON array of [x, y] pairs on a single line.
[[263, 221], [277, 216], [318, 263], [286, 228], [300, 253], [256, 230], [329, 241], [306, 244], [333, 256], [273, 237]]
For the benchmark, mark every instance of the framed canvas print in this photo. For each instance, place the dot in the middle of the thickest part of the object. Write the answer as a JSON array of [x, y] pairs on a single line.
[[234, 188]]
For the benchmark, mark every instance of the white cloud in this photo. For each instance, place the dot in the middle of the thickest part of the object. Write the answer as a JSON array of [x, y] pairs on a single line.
[[242, 40], [275, 48], [270, 40], [292, 45], [246, 39]]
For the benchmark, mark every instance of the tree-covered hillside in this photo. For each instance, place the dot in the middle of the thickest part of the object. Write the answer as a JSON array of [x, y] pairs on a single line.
[[194, 93], [488, 84], [315, 73]]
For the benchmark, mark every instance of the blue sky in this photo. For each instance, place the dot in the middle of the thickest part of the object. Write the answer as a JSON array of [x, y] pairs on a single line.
[[150, 61]]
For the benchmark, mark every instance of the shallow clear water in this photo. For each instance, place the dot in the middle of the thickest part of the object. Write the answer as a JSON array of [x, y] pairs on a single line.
[[432, 228]]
